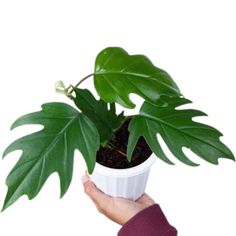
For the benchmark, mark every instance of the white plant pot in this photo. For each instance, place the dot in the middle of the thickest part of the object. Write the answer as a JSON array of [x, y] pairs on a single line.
[[128, 183]]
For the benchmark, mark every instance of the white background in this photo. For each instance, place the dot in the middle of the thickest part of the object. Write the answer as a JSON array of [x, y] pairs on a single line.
[[45, 41]]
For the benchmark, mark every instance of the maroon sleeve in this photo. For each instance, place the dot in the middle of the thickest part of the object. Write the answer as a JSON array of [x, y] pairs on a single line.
[[149, 222]]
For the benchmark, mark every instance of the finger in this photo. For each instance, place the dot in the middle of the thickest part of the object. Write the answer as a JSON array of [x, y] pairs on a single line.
[[145, 199], [100, 199]]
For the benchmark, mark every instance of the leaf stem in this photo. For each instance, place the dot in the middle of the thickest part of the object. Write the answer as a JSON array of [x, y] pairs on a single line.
[[123, 154], [86, 77], [71, 88], [117, 150]]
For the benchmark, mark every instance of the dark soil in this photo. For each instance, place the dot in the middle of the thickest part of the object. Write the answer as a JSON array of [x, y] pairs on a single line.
[[114, 154]]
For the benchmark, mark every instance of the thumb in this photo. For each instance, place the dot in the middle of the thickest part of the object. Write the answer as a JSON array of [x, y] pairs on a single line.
[[99, 198]]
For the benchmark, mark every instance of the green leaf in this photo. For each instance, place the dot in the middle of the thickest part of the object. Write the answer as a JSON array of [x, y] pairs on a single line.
[[178, 130], [97, 111], [50, 149], [117, 74]]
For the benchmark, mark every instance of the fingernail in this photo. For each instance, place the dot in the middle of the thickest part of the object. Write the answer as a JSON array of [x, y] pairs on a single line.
[[84, 178]]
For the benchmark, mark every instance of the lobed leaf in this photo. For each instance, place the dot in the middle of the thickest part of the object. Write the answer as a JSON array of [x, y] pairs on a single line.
[[178, 130], [97, 111], [117, 74], [50, 150]]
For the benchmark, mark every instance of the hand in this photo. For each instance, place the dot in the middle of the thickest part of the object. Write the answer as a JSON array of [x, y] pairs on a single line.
[[117, 209]]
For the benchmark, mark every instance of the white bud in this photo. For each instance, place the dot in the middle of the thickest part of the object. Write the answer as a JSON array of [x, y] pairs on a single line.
[[61, 88]]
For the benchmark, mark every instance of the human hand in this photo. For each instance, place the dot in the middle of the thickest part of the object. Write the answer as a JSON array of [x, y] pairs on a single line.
[[117, 209]]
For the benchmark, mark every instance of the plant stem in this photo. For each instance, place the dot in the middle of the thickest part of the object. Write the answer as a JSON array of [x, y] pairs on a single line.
[[86, 77], [117, 150], [123, 154], [109, 143], [71, 88]]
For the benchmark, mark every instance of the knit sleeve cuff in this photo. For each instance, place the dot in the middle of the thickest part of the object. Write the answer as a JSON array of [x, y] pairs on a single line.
[[148, 222]]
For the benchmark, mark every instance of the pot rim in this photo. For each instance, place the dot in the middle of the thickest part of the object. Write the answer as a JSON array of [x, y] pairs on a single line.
[[128, 172]]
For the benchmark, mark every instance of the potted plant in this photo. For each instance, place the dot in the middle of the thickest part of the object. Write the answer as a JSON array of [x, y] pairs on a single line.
[[122, 145]]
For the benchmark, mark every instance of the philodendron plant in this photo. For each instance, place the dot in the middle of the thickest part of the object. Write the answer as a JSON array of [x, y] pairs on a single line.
[[92, 123]]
